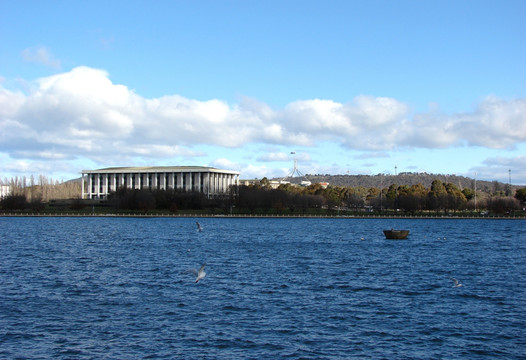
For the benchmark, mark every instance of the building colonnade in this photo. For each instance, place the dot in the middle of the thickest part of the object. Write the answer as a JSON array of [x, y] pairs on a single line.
[[97, 184]]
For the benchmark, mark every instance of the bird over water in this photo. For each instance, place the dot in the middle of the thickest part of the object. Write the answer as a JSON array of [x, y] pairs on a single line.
[[456, 283], [200, 274]]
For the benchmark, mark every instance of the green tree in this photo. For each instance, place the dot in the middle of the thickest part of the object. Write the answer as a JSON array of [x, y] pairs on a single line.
[[456, 199], [354, 200], [437, 197], [392, 192], [265, 183], [468, 193], [14, 202], [520, 195]]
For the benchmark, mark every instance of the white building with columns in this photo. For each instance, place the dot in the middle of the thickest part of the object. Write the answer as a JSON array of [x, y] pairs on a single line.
[[97, 184], [5, 190]]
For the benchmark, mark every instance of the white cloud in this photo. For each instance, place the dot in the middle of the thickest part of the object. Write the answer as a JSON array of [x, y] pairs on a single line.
[[274, 156], [366, 123], [83, 114], [498, 168], [41, 55], [371, 155], [249, 171], [223, 163], [495, 124]]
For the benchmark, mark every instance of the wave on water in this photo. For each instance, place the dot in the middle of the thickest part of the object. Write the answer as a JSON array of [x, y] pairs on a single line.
[[83, 288]]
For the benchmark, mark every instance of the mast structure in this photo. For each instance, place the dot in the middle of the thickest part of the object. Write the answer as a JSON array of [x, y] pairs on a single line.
[[295, 170]]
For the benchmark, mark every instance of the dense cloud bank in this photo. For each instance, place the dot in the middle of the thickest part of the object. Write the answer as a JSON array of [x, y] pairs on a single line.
[[82, 113]]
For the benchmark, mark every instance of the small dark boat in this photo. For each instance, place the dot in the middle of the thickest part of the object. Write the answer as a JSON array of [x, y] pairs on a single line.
[[396, 234]]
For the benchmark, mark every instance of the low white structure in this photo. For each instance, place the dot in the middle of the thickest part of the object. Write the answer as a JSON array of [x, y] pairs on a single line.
[[5, 190], [97, 184]]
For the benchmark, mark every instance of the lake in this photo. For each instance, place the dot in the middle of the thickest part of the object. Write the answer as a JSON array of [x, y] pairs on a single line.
[[120, 288]]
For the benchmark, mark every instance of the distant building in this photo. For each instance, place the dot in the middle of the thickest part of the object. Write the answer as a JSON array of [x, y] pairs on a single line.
[[248, 182], [324, 185], [5, 190], [97, 184]]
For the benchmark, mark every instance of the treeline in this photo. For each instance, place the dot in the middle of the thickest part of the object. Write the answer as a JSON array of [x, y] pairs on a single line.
[[291, 199], [34, 194], [408, 178], [42, 189], [440, 196], [143, 200], [262, 198]]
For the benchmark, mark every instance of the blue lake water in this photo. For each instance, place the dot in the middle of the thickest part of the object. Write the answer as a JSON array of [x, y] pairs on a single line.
[[119, 288]]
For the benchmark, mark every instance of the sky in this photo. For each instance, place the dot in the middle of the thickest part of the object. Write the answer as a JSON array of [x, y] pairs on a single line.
[[339, 87]]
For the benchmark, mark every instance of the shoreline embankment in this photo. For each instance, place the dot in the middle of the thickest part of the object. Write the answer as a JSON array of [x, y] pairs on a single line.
[[253, 216]]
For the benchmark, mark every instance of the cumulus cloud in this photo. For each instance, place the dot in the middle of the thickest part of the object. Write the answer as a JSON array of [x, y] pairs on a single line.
[[499, 167], [366, 123], [283, 156], [82, 113], [372, 155], [40, 55], [495, 124]]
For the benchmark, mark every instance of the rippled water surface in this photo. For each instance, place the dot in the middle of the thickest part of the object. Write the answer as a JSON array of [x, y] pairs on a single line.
[[119, 288]]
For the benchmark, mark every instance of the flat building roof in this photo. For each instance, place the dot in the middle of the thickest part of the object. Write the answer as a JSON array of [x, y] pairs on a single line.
[[158, 169]]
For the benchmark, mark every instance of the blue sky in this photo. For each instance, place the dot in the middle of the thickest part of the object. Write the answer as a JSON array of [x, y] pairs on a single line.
[[352, 87]]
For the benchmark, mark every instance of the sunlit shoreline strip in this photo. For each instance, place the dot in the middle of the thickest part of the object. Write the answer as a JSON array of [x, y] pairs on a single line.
[[272, 216]]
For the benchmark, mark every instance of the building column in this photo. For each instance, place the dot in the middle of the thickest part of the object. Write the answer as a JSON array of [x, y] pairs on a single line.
[[163, 181], [211, 184], [97, 185], [207, 184], [90, 185], [93, 190], [216, 183], [171, 181], [197, 186], [179, 181], [82, 186], [105, 190], [189, 181], [228, 182]]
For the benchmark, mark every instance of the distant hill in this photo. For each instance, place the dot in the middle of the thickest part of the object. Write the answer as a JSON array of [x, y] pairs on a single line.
[[405, 178]]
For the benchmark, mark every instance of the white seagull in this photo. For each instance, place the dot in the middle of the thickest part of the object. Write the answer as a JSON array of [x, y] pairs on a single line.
[[199, 227], [457, 283], [200, 274]]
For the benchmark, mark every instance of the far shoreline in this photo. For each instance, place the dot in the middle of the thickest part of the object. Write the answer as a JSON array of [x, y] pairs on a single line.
[[263, 216]]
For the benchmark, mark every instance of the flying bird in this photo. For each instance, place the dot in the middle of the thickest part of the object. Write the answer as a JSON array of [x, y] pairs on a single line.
[[199, 274], [199, 227], [456, 283]]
